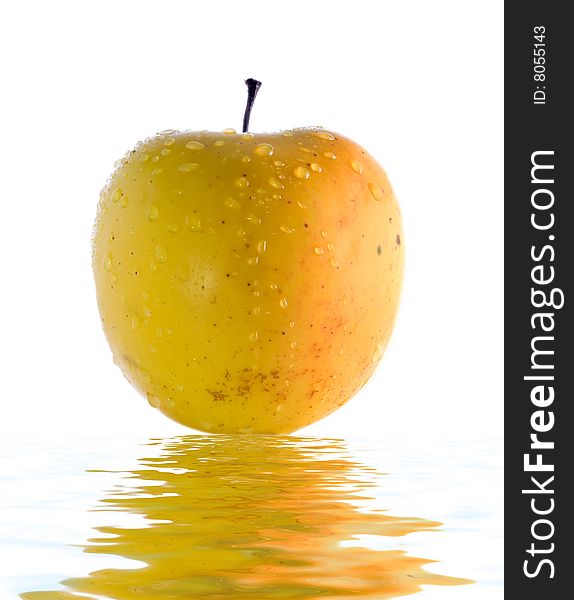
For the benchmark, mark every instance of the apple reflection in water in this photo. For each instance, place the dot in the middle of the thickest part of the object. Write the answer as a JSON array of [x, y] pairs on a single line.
[[251, 517]]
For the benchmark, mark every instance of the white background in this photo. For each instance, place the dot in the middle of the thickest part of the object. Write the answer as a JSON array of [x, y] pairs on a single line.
[[419, 84]]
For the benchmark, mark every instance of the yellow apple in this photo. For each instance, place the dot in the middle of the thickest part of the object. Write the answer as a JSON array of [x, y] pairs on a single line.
[[248, 282]]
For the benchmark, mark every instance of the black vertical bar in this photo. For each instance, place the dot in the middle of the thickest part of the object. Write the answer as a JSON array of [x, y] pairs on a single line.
[[539, 268]]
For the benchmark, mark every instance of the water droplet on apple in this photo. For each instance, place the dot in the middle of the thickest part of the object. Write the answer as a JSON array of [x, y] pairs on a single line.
[[378, 353], [229, 131], [253, 260], [219, 143], [256, 310], [283, 303], [193, 222], [376, 191], [293, 344], [253, 336], [157, 171], [136, 321], [357, 166], [188, 167], [144, 157], [285, 229], [194, 145], [247, 136], [253, 219], [279, 163], [123, 201], [107, 263], [263, 150], [287, 133], [231, 202], [144, 375], [173, 227], [262, 246], [334, 263], [316, 167], [318, 250], [165, 152], [291, 324], [246, 159], [169, 141], [325, 135], [242, 182], [323, 234], [301, 173], [330, 155], [160, 253], [153, 212], [154, 401], [274, 182], [116, 195]]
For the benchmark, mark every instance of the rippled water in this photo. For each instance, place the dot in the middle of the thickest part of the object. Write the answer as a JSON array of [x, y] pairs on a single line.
[[251, 517]]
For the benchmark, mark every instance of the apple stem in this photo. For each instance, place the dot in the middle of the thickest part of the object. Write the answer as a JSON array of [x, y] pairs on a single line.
[[252, 88]]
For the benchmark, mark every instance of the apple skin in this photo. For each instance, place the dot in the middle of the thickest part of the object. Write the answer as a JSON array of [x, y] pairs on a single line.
[[248, 282]]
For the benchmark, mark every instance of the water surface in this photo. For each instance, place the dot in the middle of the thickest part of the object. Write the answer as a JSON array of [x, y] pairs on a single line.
[[250, 517]]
